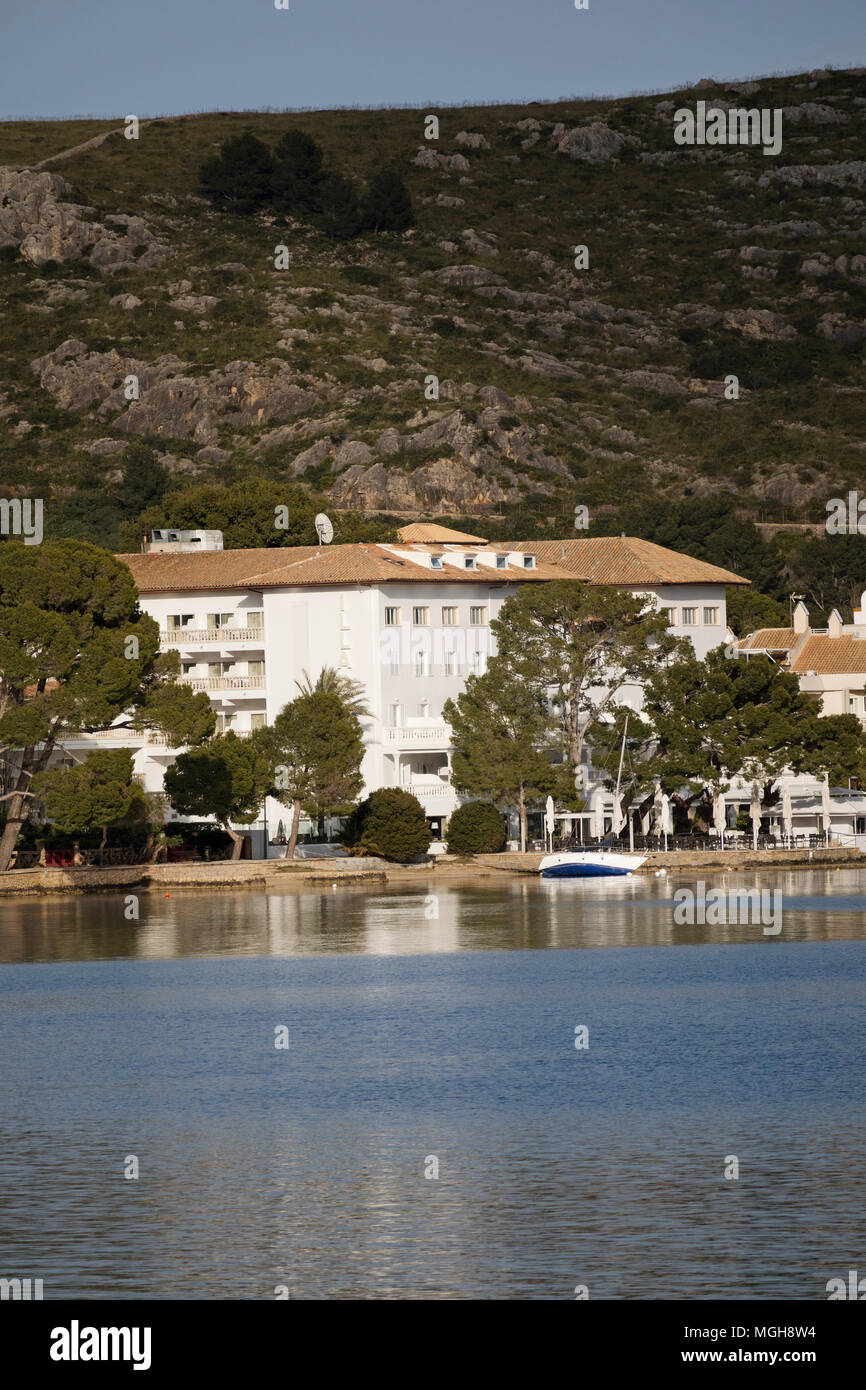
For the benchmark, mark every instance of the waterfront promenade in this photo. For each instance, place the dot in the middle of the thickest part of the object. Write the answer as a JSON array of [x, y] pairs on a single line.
[[278, 873]]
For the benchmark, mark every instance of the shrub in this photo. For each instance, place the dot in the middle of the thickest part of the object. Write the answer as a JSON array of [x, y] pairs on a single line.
[[390, 824], [298, 172], [388, 205], [339, 214], [476, 828], [240, 177]]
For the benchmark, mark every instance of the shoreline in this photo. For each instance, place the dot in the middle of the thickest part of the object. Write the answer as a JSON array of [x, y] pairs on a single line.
[[278, 873]]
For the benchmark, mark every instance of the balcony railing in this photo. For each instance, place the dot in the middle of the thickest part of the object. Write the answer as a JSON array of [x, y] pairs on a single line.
[[439, 734], [424, 790], [128, 735], [208, 636], [225, 682]]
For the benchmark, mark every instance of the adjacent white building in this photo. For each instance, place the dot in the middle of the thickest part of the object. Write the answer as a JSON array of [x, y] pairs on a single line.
[[408, 620]]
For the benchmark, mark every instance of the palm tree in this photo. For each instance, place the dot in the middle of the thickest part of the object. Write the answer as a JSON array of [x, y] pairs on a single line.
[[334, 682], [351, 692]]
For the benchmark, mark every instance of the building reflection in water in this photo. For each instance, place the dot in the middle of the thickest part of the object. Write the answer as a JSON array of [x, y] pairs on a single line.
[[427, 916]]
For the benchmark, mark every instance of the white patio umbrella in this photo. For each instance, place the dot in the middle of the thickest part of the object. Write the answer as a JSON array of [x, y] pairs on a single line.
[[787, 811], [719, 815], [657, 809], [755, 813], [667, 818], [549, 821], [826, 822]]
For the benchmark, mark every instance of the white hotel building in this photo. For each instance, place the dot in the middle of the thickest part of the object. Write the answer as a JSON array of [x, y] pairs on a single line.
[[408, 620]]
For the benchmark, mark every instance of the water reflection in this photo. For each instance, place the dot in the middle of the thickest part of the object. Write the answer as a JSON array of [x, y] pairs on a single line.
[[428, 917]]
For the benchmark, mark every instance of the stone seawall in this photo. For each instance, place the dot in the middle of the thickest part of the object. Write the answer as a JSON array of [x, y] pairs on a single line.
[[677, 860], [277, 873]]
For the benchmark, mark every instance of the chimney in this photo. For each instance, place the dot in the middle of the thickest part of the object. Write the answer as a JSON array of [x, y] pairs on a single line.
[[801, 617], [834, 624]]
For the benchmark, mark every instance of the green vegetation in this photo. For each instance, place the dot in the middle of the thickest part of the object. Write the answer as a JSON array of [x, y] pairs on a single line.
[[98, 793], [227, 778], [315, 750], [667, 273], [578, 646], [714, 718], [75, 653], [245, 176], [501, 724], [389, 824], [476, 828]]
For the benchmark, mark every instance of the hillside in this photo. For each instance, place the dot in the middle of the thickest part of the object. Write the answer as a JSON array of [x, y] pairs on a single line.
[[558, 386]]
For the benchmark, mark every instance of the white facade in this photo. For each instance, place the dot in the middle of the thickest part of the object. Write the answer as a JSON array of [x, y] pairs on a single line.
[[411, 643]]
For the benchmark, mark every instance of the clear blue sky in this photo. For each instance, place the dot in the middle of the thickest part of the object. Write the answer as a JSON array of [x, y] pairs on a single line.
[[114, 57]]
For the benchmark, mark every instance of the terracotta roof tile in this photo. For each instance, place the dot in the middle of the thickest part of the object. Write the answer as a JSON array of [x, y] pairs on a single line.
[[442, 535], [627, 560], [831, 656], [294, 566], [770, 639]]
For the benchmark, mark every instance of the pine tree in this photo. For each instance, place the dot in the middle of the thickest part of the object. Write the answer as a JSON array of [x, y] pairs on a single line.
[[388, 205], [298, 173], [339, 214], [240, 177], [501, 730]]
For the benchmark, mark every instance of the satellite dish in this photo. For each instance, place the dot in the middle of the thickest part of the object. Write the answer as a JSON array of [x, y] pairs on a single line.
[[324, 529]]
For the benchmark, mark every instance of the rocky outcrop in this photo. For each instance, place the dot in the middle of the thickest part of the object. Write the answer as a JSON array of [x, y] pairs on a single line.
[[172, 403], [593, 144], [444, 485], [37, 218]]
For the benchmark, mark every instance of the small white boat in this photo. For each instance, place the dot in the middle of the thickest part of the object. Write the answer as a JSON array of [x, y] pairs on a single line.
[[590, 863]]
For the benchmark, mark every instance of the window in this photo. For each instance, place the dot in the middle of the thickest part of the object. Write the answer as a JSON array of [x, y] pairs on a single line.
[[855, 704], [501, 562], [450, 617], [711, 617], [424, 709], [435, 562], [421, 616], [420, 663], [478, 661], [394, 664], [396, 715], [392, 617], [256, 669], [529, 562], [255, 619], [690, 617], [219, 668], [257, 721], [671, 615], [469, 562], [224, 722], [477, 616], [177, 620], [215, 620], [450, 663]]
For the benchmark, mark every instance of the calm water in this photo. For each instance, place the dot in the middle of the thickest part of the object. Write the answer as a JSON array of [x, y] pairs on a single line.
[[415, 1037]]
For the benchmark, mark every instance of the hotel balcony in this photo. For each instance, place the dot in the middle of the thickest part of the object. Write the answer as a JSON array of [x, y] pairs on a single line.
[[423, 737], [210, 637], [218, 684], [119, 735]]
